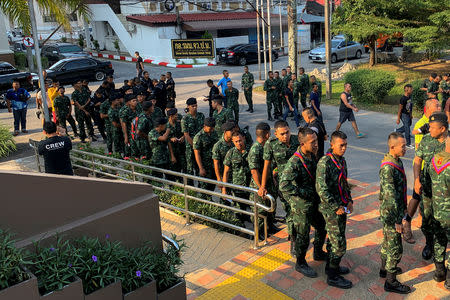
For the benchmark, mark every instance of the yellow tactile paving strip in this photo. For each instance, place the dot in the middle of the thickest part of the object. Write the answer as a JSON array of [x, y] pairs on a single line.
[[247, 282]]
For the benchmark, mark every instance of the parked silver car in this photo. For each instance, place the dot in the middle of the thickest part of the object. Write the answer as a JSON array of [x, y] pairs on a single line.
[[340, 49]]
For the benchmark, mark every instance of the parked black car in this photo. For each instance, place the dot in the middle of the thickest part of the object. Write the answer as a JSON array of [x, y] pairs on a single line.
[[8, 74], [70, 70], [57, 51], [242, 54]]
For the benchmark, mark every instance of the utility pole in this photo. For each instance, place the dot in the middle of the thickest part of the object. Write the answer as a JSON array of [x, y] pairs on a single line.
[[269, 34], [264, 41], [292, 32], [328, 47], [281, 28], [37, 52], [258, 29], [87, 34]]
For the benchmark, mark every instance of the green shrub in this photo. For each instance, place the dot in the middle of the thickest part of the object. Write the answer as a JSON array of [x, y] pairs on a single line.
[[20, 59], [11, 262], [7, 143], [370, 86], [418, 96], [63, 39]]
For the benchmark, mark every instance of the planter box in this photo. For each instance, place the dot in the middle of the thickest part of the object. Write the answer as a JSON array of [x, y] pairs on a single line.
[[147, 292], [110, 292], [72, 291], [177, 292], [26, 290]]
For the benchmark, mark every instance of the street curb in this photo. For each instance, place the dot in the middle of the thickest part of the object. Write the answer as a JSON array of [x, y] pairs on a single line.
[[150, 61]]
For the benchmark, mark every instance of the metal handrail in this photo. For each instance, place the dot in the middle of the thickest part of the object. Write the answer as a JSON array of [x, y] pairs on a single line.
[[172, 242], [124, 168]]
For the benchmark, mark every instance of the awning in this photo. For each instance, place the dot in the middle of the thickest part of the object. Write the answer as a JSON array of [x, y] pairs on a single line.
[[215, 25]]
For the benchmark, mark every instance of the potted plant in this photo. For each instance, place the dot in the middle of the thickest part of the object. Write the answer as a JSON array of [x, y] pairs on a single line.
[[96, 45], [81, 41], [98, 268], [117, 46], [15, 281], [55, 269]]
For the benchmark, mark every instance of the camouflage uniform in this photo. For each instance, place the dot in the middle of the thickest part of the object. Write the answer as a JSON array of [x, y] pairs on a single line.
[[280, 94], [327, 186], [297, 183], [160, 149], [104, 108], [248, 137], [393, 205], [427, 148], [304, 88], [127, 115], [271, 97], [296, 92], [221, 118], [81, 98], [156, 114], [440, 178], [240, 172], [279, 154], [117, 134], [144, 124], [247, 82], [219, 151], [63, 108], [233, 102], [204, 143], [445, 86], [192, 125], [179, 149]]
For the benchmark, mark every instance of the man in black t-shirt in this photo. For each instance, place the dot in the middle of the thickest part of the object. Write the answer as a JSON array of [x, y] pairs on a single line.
[[346, 110], [318, 127], [139, 64], [405, 114], [288, 103], [56, 150], [213, 93]]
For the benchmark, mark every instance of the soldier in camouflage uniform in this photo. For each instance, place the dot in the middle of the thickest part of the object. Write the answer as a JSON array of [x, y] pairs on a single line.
[[270, 86], [303, 78], [191, 124], [143, 125], [103, 111], [440, 179], [393, 203], [296, 90], [81, 100], [203, 144], [247, 83], [116, 127], [177, 140], [127, 114], [221, 114], [444, 88], [277, 152], [232, 95], [63, 109], [157, 112], [335, 203], [280, 94], [245, 133], [161, 149], [430, 145], [236, 163], [297, 183], [221, 148]]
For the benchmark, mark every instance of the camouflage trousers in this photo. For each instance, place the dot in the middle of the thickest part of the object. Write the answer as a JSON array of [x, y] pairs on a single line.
[[270, 216], [272, 102], [426, 211], [209, 175], [143, 148], [243, 206], [117, 139], [82, 119], [191, 164], [280, 105], [235, 108], [391, 248], [62, 121], [249, 97], [303, 99], [336, 243], [109, 137], [302, 220], [296, 99], [441, 238]]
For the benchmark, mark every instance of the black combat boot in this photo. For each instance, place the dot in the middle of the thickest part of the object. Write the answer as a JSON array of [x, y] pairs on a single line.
[[427, 251], [447, 281], [336, 280], [340, 270], [383, 271], [302, 267], [269, 116], [440, 273], [319, 254], [392, 285], [293, 254]]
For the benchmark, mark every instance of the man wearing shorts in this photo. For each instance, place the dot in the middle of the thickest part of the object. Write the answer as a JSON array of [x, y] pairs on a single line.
[[346, 110]]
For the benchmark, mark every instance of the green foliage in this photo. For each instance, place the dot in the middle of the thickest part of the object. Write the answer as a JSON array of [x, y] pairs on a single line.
[[370, 85], [11, 262], [64, 39], [44, 61], [96, 45], [20, 60], [116, 45], [207, 35], [418, 96], [7, 143], [81, 41]]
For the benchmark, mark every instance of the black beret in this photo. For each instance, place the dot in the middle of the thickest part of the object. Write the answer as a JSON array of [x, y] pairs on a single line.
[[439, 117], [210, 122], [161, 121], [142, 93], [170, 104], [191, 101], [129, 97], [146, 105], [227, 126], [172, 111]]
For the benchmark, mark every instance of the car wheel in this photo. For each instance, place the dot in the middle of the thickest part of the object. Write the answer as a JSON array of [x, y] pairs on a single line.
[[100, 75], [358, 54], [333, 58], [242, 61]]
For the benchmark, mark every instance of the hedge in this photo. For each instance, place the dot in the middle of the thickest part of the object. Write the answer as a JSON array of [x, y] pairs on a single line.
[[370, 86], [418, 96], [20, 59]]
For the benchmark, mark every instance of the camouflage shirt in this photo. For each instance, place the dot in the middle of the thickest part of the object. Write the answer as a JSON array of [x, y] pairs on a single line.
[[247, 80], [221, 118], [62, 105], [175, 132], [271, 94], [104, 108], [79, 97], [192, 125], [304, 83], [144, 124], [232, 97], [239, 168], [440, 177], [256, 161], [427, 148], [248, 137], [157, 113], [113, 115], [393, 188], [285, 81], [445, 86], [328, 183], [219, 151], [127, 115], [160, 149], [279, 153], [204, 143]]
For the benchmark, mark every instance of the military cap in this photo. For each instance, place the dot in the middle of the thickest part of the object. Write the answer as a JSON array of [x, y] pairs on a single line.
[[227, 126], [142, 93], [161, 121], [191, 101], [170, 104], [210, 122], [439, 117], [171, 112], [129, 97], [147, 105]]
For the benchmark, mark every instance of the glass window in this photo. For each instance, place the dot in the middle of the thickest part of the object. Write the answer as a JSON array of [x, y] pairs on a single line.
[[70, 48]]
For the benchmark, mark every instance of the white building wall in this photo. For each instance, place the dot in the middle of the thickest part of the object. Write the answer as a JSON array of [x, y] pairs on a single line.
[[4, 44]]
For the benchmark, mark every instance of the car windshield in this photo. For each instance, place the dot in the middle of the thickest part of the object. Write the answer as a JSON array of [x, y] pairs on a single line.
[[57, 65], [234, 47], [70, 48], [335, 44]]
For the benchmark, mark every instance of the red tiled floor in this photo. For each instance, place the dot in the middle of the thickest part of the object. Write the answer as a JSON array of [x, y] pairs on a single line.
[[274, 276], [336, 293], [320, 285], [393, 296], [282, 234], [239, 297], [353, 278], [204, 280], [363, 270], [308, 295], [296, 275], [285, 283], [430, 297], [285, 268], [376, 289]]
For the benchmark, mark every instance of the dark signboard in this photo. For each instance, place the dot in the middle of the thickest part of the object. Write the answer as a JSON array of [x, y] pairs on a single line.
[[193, 48]]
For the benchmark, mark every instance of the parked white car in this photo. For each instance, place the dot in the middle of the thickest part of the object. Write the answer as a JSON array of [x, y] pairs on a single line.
[[340, 49]]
